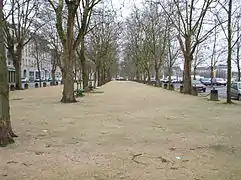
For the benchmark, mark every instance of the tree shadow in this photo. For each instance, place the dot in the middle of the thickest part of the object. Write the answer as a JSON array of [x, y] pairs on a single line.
[[96, 92]]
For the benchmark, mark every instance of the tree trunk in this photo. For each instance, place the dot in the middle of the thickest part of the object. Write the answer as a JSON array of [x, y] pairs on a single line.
[[98, 76], [17, 66], [137, 75], [85, 77], [144, 76], [239, 72], [187, 89], [84, 74], [238, 51], [6, 136], [229, 59], [212, 75], [40, 81], [188, 58], [95, 79], [157, 76], [169, 76], [68, 91], [194, 73], [18, 75], [5, 124], [53, 76], [103, 76], [68, 77], [148, 76]]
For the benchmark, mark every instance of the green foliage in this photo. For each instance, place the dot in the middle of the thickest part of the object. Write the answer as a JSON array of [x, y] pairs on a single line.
[[79, 93]]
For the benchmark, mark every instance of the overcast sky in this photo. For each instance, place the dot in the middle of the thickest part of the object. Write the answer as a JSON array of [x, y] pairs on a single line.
[[124, 8]]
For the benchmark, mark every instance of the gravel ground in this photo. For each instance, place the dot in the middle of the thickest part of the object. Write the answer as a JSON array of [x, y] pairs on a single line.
[[124, 131]]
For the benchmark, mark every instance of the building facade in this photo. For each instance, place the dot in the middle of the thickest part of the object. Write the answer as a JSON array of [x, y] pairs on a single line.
[[220, 71], [30, 61]]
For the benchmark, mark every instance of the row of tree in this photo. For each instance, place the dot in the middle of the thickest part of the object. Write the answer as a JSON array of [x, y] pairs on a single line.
[[82, 38], [161, 34]]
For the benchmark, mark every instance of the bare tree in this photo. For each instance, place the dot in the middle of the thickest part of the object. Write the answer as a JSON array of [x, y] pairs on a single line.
[[171, 60], [40, 52], [49, 32], [156, 30], [70, 41], [19, 26], [229, 58], [6, 133], [227, 12], [147, 41], [238, 45], [103, 45], [188, 20]]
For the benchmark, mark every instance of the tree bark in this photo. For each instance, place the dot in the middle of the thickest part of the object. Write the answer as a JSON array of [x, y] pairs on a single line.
[[238, 51], [148, 76], [157, 76], [188, 58], [239, 72], [53, 76], [17, 65], [39, 72], [95, 79], [229, 59], [68, 91], [187, 89], [194, 72], [169, 75], [137, 75], [85, 77], [5, 123], [68, 77], [212, 75], [6, 133], [99, 76]]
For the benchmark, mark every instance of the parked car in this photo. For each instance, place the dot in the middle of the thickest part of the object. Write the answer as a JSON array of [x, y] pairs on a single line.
[[236, 90], [206, 81], [220, 82], [199, 85]]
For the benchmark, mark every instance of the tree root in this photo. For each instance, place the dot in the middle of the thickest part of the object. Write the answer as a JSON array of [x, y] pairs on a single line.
[[4, 141], [12, 134], [65, 100]]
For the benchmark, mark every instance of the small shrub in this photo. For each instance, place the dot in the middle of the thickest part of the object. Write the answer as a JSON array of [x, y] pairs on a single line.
[[78, 93]]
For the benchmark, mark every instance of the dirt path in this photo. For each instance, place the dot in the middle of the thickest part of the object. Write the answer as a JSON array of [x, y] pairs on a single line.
[[125, 131]]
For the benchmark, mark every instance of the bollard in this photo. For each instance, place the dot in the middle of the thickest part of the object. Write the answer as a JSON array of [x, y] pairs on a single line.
[[181, 89], [195, 91], [26, 86], [214, 95], [12, 87], [44, 84], [165, 86], [171, 87]]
